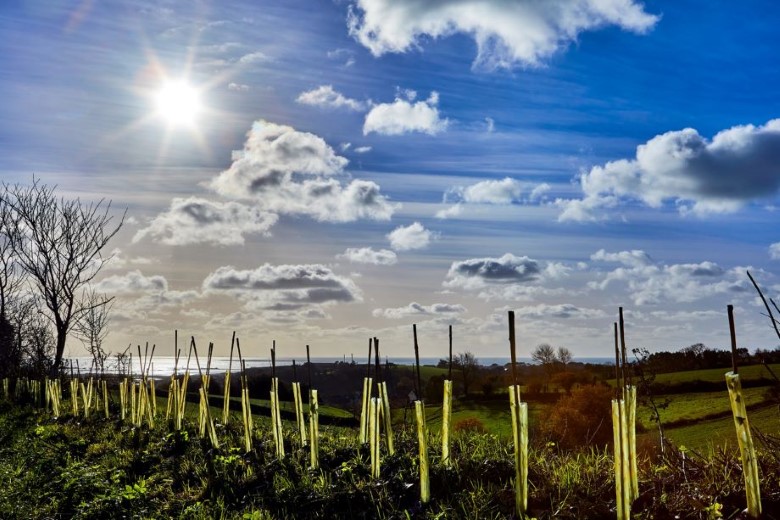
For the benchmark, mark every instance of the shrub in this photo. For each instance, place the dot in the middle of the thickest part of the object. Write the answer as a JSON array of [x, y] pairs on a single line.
[[581, 418]]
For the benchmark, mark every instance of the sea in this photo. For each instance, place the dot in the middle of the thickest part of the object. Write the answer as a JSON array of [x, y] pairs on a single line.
[[162, 366]]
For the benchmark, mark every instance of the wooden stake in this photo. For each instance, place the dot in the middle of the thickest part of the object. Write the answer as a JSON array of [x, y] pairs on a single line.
[[512, 346], [742, 425], [417, 362]]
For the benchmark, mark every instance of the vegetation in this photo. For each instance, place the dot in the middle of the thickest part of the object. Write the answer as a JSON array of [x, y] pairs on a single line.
[[98, 468]]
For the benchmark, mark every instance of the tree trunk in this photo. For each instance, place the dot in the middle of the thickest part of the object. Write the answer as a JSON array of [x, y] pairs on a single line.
[[62, 335]]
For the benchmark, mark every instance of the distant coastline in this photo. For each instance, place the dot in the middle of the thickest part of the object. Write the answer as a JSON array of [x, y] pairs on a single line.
[[164, 365]]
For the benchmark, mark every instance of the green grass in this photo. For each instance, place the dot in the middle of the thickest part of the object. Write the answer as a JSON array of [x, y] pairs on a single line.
[[697, 405], [721, 431], [716, 374], [97, 468]]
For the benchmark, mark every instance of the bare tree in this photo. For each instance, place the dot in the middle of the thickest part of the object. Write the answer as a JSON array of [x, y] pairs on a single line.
[[544, 354], [58, 242], [10, 283], [92, 327], [564, 356], [469, 366]]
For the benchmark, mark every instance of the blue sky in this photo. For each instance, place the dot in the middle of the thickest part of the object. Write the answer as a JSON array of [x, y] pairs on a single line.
[[412, 162]]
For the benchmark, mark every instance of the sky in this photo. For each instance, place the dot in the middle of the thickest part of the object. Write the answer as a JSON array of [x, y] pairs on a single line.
[[324, 172]]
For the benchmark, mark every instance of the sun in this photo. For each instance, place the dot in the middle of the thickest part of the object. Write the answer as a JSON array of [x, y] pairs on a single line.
[[178, 103]]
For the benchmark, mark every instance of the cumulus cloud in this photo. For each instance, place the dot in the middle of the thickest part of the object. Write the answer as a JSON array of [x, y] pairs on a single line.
[[504, 191], [774, 251], [404, 116], [254, 58], [506, 32], [132, 282], [413, 236], [362, 149], [367, 255], [477, 273], [415, 309], [196, 221], [650, 282], [282, 287], [325, 96], [153, 289], [737, 166], [498, 192], [286, 171], [562, 311]]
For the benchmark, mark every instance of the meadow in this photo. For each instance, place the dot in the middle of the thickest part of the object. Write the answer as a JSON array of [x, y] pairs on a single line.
[[98, 467]]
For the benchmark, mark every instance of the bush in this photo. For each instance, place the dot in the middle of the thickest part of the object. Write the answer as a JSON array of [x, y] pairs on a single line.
[[582, 418]]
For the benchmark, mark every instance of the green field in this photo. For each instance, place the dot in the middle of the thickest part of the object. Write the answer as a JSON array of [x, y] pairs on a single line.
[[697, 405], [716, 432], [716, 374]]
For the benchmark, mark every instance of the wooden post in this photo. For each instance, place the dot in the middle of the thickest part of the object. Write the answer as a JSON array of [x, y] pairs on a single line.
[[742, 425], [519, 414], [417, 362]]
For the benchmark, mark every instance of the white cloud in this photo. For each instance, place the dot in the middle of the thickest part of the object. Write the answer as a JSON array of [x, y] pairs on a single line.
[[507, 32], [413, 236], [490, 125], [498, 192], [153, 290], [196, 221], [238, 87], [367, 255], [362, 149], [504, 191], [478, 273], [774, 251], [404, 116], [416, 309], [132, 282], [651, 283], [286, 171], [253, 58], [345, 55], [539, 191], [739, 165], [325, 96], [453, 211], [563, 311], [282, 287]]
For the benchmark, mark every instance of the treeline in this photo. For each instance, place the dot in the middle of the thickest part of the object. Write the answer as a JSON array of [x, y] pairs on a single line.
[[698, 356]]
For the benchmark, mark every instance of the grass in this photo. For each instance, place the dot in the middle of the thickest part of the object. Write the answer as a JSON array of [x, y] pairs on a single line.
[[72, 468], [716, 432], [715, 374], [98, 468], [698, 405]]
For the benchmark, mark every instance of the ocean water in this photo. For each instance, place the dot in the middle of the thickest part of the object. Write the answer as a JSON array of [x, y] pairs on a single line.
[[164, 365]]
